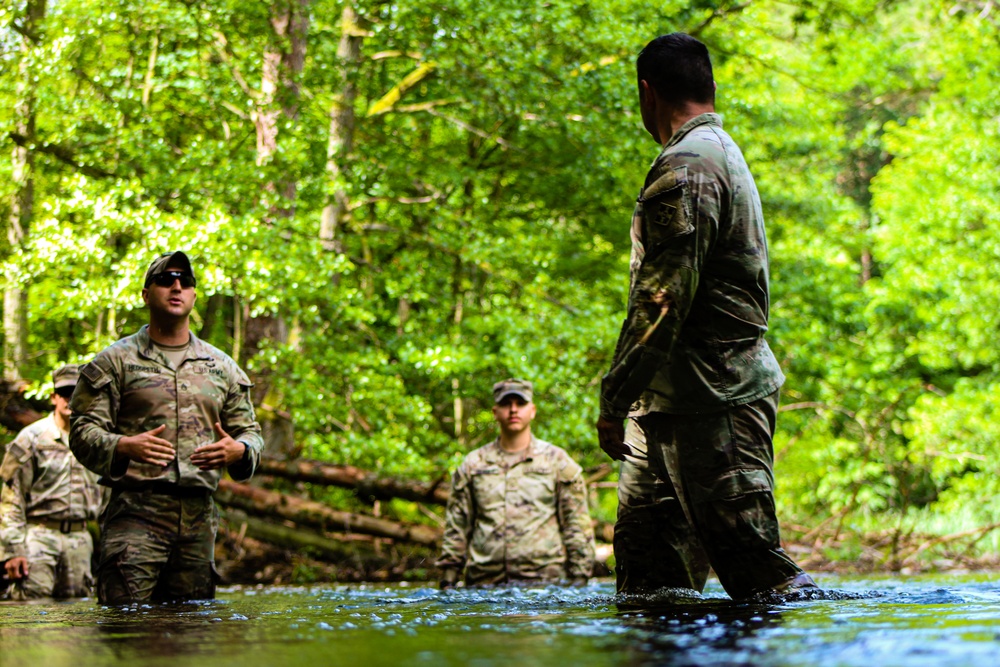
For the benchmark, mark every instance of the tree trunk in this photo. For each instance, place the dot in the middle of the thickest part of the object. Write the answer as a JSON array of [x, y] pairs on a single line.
[[272, 504], [15, 322], [367, 485], [341, 138], [282, 64]]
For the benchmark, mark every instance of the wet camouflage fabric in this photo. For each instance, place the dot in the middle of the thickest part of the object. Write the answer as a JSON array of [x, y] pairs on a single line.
[[156, 546], [713, 483], [655, 543], [130, 388], [59, 565], [510, 520], [146, 535], [693, 339], [42, 480]]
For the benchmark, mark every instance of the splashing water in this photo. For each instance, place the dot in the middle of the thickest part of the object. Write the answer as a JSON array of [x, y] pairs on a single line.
[[927, 621]]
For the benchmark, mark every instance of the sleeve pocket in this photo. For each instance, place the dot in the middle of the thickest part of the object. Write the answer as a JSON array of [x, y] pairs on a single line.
[[666, 207]]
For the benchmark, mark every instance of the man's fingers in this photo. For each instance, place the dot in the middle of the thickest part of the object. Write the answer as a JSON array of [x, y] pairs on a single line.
[[615, 453], [611, 440], [209, 457], [206, 451], [158, 430], [17, 568], [218, 429], [158, 454]]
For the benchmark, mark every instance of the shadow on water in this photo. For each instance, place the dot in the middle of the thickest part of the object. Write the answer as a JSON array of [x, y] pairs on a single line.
[[952, 621], [681, 627]]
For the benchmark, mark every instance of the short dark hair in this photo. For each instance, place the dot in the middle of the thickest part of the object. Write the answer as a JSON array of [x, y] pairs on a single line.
[[678, 68]]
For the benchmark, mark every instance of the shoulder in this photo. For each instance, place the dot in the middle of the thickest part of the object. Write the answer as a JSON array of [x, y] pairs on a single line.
[[478, 457], [548, 450], [701, 152], [558, 458], [101, 369], [32, 433], [701, 149], [23, 447]]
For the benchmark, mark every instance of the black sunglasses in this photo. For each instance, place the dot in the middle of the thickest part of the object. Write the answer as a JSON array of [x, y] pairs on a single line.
[[66, 392], [167, 278]]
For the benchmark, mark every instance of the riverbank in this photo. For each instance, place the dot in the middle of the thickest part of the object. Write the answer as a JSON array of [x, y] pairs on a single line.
[[243, 560]]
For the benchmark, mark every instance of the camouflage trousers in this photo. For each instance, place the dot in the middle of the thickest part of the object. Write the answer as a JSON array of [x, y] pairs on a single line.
[[58, 564], [157, 548], [703, 496], [477, 575]]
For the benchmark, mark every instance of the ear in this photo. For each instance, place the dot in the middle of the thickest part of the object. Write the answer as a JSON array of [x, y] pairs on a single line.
[[646, 92], [145, 295]]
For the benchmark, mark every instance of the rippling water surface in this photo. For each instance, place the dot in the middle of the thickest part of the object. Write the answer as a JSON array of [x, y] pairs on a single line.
[[951, 620]]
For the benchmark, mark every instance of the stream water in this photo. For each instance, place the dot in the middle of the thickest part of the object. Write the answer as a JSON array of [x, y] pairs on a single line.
[[874, 622]]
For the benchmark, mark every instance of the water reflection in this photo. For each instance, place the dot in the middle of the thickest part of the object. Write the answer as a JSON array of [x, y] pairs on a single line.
[[935, 623], [132, 633], [683, 628]]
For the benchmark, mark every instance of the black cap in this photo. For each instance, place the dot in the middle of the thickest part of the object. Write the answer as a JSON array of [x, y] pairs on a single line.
[[161, 263]]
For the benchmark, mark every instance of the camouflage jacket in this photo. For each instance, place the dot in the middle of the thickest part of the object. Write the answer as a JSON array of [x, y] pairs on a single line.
[[693, 338], [42, 480], [130, 388], [524, 518]]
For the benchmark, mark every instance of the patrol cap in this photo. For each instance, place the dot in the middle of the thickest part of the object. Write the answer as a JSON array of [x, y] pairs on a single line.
[[160, 264], [65, 376], [512, 387]]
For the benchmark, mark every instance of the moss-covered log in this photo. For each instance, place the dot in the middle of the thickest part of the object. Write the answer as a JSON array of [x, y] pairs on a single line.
[[366, 484], [272, 504]]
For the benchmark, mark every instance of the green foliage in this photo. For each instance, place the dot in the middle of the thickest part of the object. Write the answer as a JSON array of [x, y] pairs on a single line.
[[496, 151]]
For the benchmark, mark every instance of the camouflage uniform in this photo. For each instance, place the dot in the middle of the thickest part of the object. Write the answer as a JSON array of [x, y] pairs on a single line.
[[693, 369], [522, 518], [158, 531], [46, 499]]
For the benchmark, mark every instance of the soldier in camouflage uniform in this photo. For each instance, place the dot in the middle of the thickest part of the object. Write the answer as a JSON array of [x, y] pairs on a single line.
[[518, 506], [46, 500], [692, 369], [159, 415]]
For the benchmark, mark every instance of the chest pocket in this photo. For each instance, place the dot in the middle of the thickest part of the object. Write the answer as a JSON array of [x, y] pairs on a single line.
[[206, 381], [489, 485], [666, 207], [538, 485]]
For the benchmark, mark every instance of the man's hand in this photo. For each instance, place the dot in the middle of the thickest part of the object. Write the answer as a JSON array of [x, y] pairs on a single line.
[[221, 453], [611, 435], [147, 447], [17, 568]]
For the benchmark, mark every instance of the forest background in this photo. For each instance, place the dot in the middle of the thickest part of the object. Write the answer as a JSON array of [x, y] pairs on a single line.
[[391, 205]]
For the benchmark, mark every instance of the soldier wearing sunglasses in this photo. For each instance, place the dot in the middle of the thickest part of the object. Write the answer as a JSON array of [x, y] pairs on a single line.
[[159, 415], [46, 500]]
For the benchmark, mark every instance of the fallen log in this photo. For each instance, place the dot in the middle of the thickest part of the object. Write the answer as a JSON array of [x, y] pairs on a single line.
[[16, 411], [262, 502], [365, 484], [295, 539]]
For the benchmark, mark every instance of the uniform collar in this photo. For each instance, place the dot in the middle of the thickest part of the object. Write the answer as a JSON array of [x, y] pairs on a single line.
[[196, 348], [496, 454], [685, 129], [53, 429]]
